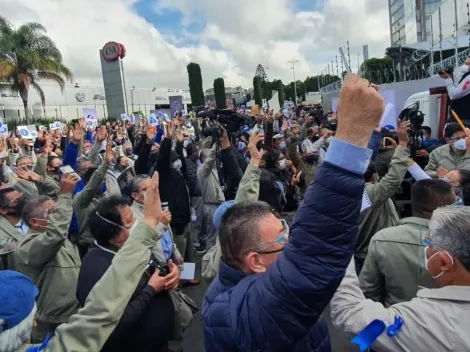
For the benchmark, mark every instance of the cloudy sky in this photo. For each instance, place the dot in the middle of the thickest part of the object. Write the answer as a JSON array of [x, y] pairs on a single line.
[[227, 38]]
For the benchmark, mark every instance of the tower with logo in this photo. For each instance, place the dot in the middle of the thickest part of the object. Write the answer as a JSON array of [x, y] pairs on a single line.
[[113, 78]]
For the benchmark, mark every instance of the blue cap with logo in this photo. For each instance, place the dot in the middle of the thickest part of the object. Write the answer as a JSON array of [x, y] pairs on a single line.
[[219, 213], [17, 298]]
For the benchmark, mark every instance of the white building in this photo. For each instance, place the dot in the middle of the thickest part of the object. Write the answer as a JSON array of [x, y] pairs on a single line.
[[69, 104]]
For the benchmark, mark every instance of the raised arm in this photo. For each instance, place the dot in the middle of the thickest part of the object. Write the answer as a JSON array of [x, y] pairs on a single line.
[[309, 270], [37, 248]]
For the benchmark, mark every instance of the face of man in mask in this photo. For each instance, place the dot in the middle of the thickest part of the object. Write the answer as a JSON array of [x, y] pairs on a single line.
[[54, 166], [40, 220], [123, 162], [139, 196], [25, 163], [457, 142], [86, 147], [14, 202], [85, 170]]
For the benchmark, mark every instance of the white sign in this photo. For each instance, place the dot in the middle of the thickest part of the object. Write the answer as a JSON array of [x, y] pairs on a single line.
[[3, 129], [274, 103], [25, 132], [152, 120], [33, 131], [55, 126], [123, 116]]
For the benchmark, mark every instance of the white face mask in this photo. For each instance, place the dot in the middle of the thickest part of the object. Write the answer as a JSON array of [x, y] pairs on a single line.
[[426, 262], [282, 164], [461, 144], [177, 164]]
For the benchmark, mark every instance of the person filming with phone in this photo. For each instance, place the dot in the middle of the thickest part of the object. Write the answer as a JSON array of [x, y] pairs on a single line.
[[459, 90]]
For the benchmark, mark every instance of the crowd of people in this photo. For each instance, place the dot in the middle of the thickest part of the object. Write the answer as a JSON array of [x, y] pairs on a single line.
[[293, 214]]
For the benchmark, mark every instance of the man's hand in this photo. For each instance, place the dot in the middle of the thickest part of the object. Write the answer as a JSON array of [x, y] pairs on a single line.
[[47, 149], [173, 278], [150, 133], [68, 183], [179, 135], [101, 134], [152, 203], [360, 108], [77, 133], [391, 143], [157, 282], [109, 156], [170, 129], [179, 261], [224, 140], [256, 155], [27, 175], [165, 217], [441, 172], [296, 179], [402, 132]]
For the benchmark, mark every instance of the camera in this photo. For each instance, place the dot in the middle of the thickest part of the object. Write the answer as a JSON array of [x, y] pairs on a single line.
[[448, 69], [155, 264]]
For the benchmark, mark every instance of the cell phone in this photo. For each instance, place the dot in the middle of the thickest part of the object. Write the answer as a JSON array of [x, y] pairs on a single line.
[[386, 142], [67, 169]]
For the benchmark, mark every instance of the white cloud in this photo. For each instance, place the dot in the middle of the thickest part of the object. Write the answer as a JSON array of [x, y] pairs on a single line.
[[247, 32]]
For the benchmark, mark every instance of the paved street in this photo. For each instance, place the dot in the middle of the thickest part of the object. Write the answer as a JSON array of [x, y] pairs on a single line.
[[194, 340]]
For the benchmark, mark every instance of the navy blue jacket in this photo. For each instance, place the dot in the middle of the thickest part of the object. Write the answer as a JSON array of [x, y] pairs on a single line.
[[280, 310]]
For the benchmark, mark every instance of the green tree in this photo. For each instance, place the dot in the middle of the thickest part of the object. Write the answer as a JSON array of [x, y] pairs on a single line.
[[374, 68], [27, 56], [280, 92], [257, 92], [195, 84], [261, 73], [300, 90], [219, 93]]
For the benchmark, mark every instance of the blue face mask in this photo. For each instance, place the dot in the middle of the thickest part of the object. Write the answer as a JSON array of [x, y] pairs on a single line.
[[283, 145]]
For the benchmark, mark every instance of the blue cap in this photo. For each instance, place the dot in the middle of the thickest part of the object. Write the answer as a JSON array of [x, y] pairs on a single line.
[[389, 127], [17, 298], [219, 213]]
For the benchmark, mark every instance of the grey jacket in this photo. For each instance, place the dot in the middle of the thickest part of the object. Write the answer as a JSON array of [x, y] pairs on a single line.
[[85, 201], [443, 157], [382, 213], [437, 320], [394, 267], [53, 263], [208, 179]]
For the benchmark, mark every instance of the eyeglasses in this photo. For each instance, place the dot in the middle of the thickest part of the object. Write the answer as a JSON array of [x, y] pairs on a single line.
[[283, 238]]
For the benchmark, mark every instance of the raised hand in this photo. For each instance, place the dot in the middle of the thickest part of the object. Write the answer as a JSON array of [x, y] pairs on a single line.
[[256, 155], [150, 133], [77, 133], [101, 134], [360, 108], [296, 179], [402, 132], [170, 129], [152, 203], [27, 175], [109, 156], [68, 183]]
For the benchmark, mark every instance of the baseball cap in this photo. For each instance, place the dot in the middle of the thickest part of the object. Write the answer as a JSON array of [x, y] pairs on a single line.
[[219, 213], [17, 298]]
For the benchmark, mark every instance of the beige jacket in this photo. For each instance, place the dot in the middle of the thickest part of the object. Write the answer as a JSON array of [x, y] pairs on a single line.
[[394, 267], [89, 329], [442, 157], [53, 263], [437, 320], [247, 190], [9, 238]]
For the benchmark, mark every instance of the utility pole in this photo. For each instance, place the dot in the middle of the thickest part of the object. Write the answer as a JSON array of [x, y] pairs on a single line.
[[349, 55], [456, 35], [293, 62], [337, 69]]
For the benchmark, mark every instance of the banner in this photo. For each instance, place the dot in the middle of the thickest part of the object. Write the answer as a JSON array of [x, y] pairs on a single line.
[[176, 104], [152, 120], [55, 126], [90, 117], [274, 103]]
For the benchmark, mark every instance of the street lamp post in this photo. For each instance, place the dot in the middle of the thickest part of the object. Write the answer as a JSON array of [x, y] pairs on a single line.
[[155, 103], [76, 105], [132, 97], [293, 62]]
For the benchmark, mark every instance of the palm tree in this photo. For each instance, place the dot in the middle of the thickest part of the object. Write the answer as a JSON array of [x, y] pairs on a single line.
[[28, 55]]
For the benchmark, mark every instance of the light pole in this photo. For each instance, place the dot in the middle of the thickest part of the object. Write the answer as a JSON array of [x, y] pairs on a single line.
[[293, 62], [132, 98], [76, 106]]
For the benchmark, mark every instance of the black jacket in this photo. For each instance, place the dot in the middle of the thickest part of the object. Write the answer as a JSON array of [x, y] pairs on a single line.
[[191, 178], [148, 320], [173, 186]]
